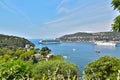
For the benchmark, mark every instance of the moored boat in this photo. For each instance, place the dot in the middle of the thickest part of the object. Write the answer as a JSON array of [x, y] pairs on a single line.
[[100, 43]]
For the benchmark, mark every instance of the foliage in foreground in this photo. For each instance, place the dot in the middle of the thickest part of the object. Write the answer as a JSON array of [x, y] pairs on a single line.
[[55, 69], [46, 70], [17, 65], [102, 69], [14, 70]]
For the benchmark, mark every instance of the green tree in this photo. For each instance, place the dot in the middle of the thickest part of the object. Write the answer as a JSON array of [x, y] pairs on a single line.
[[15, 70], [37, 50], [44, 51], [55, 68], [116, 25], [19, 52], [116, 4], [6, 58], [27, 55], [102, 69]]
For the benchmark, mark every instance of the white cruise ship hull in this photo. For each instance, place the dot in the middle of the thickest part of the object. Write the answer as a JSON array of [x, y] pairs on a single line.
[[49, 41], [106, 43]]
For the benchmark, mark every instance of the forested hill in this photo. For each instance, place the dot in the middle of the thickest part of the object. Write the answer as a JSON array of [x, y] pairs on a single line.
[[13, 42], [101, 36]]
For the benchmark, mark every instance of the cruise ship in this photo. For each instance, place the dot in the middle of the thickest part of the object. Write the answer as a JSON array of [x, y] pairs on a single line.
[[100, 43], [49, 41]]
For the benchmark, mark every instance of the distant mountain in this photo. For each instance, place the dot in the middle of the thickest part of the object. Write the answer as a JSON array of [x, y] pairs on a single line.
[[13, 42], [83, 37]]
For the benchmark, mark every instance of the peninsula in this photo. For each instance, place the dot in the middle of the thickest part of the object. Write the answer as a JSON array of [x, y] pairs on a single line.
[[90, 37], [13, 42]]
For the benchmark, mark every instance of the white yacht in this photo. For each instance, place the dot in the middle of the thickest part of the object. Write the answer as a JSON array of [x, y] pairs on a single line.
[[106, 43]]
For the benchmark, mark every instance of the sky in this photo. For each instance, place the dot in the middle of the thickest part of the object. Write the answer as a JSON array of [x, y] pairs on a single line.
[[54, 18]]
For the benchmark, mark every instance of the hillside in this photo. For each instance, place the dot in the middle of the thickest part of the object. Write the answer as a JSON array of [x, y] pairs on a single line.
[[13, 42], [81, 37]]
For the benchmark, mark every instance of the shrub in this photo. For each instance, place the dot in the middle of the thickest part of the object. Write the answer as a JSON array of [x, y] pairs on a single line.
[[14, 70], [50, 69], [56, 57], [104, 68]]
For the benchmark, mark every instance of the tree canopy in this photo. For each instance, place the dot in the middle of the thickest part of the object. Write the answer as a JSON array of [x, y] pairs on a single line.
[[116, 25], [18, 65], [55, 70], [102, 69], [116, 4]]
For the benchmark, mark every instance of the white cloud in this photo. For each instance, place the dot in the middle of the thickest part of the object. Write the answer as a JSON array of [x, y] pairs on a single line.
[[83, 15], [92, 18]]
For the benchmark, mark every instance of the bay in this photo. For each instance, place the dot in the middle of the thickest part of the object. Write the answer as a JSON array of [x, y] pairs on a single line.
[[80, 53]]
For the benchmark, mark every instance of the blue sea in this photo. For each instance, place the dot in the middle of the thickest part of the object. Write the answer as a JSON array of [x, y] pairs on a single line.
[[80, 53]]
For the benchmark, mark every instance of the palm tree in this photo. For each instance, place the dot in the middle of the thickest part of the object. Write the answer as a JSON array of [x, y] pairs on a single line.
[[116, 4], [116, 25]]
